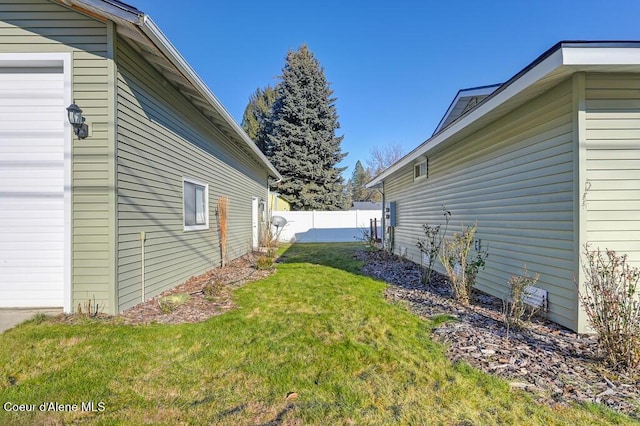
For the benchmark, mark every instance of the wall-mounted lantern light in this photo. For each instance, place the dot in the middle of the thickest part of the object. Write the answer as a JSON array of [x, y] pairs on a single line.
[[77, 121]]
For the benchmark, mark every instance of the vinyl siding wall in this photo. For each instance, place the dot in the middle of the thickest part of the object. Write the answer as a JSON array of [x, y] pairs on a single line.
[[515, 178], [161, 139], [612, 191], [35, 26]]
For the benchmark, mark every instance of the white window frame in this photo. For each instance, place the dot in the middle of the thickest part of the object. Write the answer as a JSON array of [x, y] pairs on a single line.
[[417, 166], [205, 186]]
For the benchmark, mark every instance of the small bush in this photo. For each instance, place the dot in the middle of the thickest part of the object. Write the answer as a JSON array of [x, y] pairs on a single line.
[[170, 303], [516, 313], [610, 299], [213, 288], [264, 262], [431, 246], [462, 269]]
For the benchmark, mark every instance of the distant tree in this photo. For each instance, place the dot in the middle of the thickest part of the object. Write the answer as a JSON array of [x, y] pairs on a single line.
[[256, 114], [302, 136], [381, 158], [359, 178]]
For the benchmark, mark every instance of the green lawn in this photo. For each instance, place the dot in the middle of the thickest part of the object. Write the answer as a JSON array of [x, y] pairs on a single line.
[[316, 328]]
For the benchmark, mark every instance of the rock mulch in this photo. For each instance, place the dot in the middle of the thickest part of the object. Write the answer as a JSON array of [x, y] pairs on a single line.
[[199, 306], [555, 364]]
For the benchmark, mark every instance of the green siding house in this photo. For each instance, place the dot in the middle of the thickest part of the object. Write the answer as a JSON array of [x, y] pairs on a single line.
[[130, 210], [545, 163]]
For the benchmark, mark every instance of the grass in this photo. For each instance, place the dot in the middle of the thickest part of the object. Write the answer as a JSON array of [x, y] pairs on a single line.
[[317, 328]]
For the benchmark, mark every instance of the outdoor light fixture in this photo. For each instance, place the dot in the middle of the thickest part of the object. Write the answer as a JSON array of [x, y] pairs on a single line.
[[77, 121]]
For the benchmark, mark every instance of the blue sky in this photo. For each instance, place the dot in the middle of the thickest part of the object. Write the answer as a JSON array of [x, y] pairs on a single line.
[[394, 66]]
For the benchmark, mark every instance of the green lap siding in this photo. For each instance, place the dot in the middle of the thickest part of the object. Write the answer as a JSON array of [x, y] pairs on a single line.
[[145, 137], [39, 26], [612, 182], [515, 178], [136, 186], [163, 138]]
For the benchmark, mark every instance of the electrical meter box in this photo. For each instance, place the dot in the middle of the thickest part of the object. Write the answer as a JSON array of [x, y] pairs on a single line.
[[390, 214]]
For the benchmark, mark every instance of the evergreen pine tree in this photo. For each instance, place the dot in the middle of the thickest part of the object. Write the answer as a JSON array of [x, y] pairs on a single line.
[[359, 179], [256, 114], [301, 133]]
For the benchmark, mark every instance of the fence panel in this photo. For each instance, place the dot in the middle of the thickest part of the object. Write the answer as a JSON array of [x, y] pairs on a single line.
[[327, 226]]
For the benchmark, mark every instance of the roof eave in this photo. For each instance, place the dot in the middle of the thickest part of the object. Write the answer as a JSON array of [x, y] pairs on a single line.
[[140, 28], [572, 56], [151, 30]]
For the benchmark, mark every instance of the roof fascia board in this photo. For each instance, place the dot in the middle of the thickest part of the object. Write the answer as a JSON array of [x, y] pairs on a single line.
[[131, 15], [507, 91], [583, 56], [151, 30]]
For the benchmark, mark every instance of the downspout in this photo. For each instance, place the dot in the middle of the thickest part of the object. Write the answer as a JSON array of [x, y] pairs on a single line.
[[382, 221]]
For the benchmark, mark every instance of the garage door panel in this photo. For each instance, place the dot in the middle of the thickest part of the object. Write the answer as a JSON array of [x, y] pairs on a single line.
[[19, 101], [45, 258], [43, 139], [32, 176], [7, 215], [34, 280], [14, 241], [36, 153], [36, 126]]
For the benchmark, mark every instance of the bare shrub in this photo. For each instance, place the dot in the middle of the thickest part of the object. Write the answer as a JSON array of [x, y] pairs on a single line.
[[462, 269], [267, 237], [610, 299], [430, 247], [264, 262], [91, 309], [516, 313], [213, 288]]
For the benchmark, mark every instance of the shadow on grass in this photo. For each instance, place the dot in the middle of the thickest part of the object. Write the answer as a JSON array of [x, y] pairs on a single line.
[[334, 255]]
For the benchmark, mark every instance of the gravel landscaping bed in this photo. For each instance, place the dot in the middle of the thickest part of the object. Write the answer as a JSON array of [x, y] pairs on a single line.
[[557, 365], [199, 306]]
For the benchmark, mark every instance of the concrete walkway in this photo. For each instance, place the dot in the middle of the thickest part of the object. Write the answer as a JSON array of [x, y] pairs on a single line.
[[10, 317]]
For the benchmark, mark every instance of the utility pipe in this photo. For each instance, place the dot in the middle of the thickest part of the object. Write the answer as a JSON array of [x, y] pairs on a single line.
[[143, 237]]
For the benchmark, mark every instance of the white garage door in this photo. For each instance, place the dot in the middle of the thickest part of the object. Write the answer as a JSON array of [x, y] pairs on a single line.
[[32, 243]]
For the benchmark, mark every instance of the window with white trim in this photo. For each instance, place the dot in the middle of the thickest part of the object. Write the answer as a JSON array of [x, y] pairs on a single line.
[[195, 206], [421, 169]]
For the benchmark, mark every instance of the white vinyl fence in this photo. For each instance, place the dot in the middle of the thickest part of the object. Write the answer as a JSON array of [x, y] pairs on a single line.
[[327, 226]]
